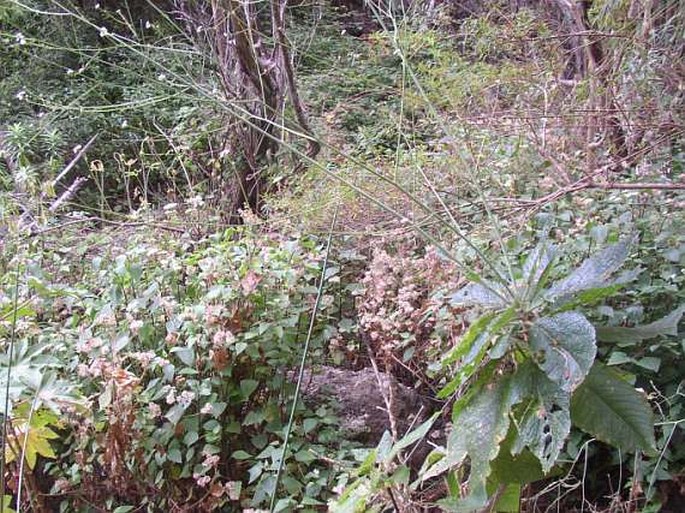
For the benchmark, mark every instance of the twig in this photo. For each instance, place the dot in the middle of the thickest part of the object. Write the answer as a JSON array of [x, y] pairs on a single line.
[[68, 193], [639, 186], [387, 399], [73, 162], [107, 221]]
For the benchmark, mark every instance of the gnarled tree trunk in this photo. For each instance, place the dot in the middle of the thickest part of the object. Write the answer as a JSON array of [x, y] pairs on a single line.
[[256, 80]]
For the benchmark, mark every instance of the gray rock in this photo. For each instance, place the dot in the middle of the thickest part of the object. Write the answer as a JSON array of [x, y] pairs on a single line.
[[358, 399]]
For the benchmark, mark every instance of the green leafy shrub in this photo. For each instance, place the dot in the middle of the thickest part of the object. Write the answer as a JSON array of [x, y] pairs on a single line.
[[186, 356]]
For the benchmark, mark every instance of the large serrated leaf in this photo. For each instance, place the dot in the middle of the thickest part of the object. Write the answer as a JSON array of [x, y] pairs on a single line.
[[665, 326], [477, 432], [613, 411], [545, 421], [592, 273], [567, 344]]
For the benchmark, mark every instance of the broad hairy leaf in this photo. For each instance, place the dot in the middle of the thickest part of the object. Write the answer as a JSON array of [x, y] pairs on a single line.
[[566, 346], [477, 433], [592, 273], [665, 326], [521, 468], [545, 420], [610, 409]]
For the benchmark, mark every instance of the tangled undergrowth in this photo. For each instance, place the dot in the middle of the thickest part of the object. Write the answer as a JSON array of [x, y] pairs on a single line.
[[502, 184]]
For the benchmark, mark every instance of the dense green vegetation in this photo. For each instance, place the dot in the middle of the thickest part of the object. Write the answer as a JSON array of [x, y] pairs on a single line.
[[202, 204]]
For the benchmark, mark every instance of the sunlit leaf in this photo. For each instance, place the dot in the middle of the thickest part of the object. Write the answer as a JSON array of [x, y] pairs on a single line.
[[485, 294]]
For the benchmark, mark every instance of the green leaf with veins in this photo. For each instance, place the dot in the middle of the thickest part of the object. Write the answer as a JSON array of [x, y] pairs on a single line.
[[477, 433], [545, 421], [566, 348], [612, 410]]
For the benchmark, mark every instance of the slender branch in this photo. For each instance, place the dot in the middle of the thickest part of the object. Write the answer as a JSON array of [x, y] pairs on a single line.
[[75, 160], [68, 193], [639, 186]]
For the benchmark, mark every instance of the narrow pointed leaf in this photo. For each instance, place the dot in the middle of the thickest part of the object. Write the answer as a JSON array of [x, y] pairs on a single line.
[[613, 411], [472, 348], [537, 264], [593, 272], [665, 326]]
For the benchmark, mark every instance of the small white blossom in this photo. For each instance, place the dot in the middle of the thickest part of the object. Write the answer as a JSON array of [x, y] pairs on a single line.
[[148, 24], [155, 410], [104, 32], [171, 396], [186, 398], [20, 38], [21, 95], [196, 201]]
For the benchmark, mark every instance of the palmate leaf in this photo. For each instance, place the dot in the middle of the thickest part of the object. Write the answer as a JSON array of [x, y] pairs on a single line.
[[566, 344], [592, 273], [32, 433], [665, 326], [608, 408]]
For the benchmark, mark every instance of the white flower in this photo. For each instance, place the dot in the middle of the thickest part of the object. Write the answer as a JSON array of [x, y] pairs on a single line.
[[20, 38], [148, 24], [203, 481], [155, 410], [21, 95], [161, 77], [207, 409], [211, 460], [104, 32], [171, 396], [186, 398]]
